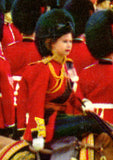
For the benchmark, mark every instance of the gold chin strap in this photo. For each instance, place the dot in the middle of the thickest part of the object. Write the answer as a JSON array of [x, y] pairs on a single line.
[[28, 37], [8, 18]]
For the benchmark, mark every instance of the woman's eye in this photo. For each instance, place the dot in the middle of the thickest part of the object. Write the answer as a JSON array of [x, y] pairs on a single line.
[[65, 41]]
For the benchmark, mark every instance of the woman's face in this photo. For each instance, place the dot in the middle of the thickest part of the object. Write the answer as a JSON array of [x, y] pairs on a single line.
[[63, 45]]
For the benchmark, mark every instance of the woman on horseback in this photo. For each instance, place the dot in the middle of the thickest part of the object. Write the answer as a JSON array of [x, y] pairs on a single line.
[[49, 86]]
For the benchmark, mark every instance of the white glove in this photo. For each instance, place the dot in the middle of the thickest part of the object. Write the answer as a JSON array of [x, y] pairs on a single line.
[[88, 105], [38, 143]]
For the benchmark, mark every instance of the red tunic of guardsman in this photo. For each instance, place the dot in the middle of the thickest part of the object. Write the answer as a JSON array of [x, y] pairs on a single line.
[[96, 85], [7, 112], [10, 33], [46, 84], [81, 55], [20, 54], [24, 15]]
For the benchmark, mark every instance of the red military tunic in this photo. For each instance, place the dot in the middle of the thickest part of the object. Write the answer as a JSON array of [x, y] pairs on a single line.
[[96, 85], [80, 55], [7, 113], [10, 35], [20, 54], [41, 84]]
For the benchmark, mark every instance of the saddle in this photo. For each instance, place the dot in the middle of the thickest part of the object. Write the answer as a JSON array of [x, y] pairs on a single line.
[[102, 147], [13, 150], [92, 147]]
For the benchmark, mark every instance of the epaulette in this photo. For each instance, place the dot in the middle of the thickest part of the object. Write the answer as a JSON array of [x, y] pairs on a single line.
[[32, 63], [44, 60]]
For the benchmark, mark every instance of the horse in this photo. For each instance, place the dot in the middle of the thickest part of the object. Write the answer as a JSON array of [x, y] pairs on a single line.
[[91, 147]]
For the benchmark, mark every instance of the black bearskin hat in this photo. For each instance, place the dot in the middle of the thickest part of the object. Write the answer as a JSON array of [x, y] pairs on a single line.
[[52, 25], [55, 3], [25, 14], [81, 11], [1, 26], [8, 5], [5, 5], [99, 33], [2, 10], [2, 6]]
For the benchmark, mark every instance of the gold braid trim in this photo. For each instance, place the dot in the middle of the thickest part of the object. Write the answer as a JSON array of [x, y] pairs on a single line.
[[46, 60], [40, 127], [59, 79], [11, 149], [87, 154], [25, 155]]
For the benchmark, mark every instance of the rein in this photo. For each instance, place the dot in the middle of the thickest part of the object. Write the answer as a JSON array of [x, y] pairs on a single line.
[[78, 145]]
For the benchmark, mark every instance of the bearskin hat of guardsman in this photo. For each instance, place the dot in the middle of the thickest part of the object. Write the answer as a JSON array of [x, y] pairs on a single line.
[[81, 10], [2, 6], [8, 5], [2, 10], [1, 26], [99, 33], [25, 14], [52, 25]]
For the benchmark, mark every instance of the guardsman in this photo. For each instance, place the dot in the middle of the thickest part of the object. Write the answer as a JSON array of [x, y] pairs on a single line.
[[80, 53], [25, 14], [7, 113], [96, 80], [10, 33]]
